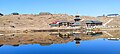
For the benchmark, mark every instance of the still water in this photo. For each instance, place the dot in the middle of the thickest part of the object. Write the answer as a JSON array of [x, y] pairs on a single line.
[[98, 46], [76, 46]]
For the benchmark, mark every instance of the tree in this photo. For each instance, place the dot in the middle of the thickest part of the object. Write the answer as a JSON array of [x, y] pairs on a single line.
[[1, 14]]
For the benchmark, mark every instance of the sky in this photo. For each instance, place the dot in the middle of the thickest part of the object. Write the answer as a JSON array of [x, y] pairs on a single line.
[[71, 7]]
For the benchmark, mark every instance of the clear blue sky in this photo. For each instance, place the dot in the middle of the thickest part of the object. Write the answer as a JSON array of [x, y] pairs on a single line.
[[84, 7]]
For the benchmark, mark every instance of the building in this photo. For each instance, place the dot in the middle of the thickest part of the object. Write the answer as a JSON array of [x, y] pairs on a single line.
[[112, 15], [64, 23], [74, 23], [91, 23], [1, 14], [54, 24]]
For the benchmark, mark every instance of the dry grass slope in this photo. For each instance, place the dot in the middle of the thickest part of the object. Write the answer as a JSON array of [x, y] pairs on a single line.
[[27, 21]]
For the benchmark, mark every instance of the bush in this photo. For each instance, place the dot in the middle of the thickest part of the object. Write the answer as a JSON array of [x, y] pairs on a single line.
[[1, 14], [45, 13], [15, 13]]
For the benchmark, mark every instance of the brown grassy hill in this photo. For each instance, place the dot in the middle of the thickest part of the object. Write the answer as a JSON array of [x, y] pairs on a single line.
[[28, 21], [31, 21]]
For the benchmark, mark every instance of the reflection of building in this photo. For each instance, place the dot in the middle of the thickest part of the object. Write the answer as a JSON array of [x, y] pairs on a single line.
[[94, 33], [76, 34], [114, 39], [77, 41], [15, 45], [65, 35], [45, 44]]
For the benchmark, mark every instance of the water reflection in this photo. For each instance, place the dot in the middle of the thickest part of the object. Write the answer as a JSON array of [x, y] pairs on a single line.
[[113, 39], [95, 33], [1, 45], [47, 39], [46, 44], [77, 41]]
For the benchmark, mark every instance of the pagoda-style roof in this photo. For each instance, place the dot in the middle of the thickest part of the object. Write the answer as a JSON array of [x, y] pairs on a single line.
[[77, 16], [77, 19]]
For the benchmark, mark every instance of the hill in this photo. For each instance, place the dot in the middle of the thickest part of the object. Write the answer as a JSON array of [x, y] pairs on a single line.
[[29, 21]]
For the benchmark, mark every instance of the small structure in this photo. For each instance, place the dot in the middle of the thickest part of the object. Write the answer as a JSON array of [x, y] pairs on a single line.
[[91, 23], [112, 15], [15, 13], [1, 14], [45, 13]]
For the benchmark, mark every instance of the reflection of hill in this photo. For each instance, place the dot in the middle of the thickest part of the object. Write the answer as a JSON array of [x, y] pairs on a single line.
[[36, 38], [115, 33], [44, 39], [28, 21]]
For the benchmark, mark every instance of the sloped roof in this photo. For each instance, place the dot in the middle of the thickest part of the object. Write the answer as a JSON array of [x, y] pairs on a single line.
[[93, 21], [112, 14], [53, 24], [77, 23], [78, 18]]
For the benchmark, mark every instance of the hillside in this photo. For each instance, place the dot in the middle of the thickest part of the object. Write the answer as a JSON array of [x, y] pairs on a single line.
[[29, 21]]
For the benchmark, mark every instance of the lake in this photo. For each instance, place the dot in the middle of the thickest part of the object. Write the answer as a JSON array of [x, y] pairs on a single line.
[[81, 44]]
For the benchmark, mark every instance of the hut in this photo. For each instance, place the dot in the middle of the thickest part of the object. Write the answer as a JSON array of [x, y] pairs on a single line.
[[90, 23], [1, 14], [15, 13]]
